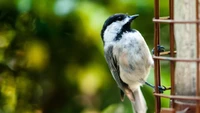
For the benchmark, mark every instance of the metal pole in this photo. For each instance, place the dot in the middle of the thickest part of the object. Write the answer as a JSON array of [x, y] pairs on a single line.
[[197, 47], [172, 63], [156, 61]]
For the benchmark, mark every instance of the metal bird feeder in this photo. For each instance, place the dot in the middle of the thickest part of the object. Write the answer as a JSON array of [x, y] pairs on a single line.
[[174, 107]]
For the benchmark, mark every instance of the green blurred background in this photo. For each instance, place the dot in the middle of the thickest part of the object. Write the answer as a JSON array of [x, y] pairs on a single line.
[[51, 55]]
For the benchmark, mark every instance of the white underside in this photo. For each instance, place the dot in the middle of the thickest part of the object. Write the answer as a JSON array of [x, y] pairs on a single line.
[[132, 50]]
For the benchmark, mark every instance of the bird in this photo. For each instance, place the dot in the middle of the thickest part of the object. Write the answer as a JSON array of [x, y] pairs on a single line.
[[128, 57]]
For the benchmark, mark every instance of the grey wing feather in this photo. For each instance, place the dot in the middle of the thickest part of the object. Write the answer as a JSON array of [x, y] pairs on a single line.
[[114, 68]]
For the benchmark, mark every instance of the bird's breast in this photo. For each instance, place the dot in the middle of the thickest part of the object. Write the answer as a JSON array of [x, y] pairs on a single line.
[[134, 60]]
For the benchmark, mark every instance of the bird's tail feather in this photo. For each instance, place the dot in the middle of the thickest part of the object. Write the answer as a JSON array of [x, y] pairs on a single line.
[[139, 103]]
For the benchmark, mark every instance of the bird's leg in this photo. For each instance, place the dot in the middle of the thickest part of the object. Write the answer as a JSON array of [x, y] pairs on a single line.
[[159, 49], [160, 88]]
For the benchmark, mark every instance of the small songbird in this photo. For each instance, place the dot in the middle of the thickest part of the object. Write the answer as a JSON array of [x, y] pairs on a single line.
[[128, 58]]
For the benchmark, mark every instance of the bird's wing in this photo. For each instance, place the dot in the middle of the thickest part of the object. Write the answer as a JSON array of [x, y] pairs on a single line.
[[114, 68]]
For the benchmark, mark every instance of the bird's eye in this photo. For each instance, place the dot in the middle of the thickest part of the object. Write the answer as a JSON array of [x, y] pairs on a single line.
[[119, 18]]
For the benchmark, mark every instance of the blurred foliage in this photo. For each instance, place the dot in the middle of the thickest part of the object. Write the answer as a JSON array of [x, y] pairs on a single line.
[[51, 55]]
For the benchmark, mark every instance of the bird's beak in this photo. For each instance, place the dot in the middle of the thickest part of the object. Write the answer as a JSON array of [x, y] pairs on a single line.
[[132, 17]]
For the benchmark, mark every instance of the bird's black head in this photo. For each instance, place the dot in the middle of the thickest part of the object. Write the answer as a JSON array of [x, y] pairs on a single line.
[[115, 24]]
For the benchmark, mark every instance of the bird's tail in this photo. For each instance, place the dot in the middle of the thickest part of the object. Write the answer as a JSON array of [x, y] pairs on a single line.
[[139, 103]]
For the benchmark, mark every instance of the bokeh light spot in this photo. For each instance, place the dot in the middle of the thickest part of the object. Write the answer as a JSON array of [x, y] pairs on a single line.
[[37, 55], [63, 7], [24, 5]]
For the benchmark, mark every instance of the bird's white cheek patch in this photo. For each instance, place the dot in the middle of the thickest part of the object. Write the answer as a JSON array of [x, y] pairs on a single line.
[[113, 29], [111, 32], [125, 21]]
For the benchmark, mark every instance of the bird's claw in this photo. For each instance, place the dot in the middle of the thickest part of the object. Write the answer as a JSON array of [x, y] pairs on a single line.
[[162, 89], [159, 49]]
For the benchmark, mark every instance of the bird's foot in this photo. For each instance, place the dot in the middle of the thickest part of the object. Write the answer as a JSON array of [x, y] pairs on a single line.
[[159, 49], [160, 88]]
